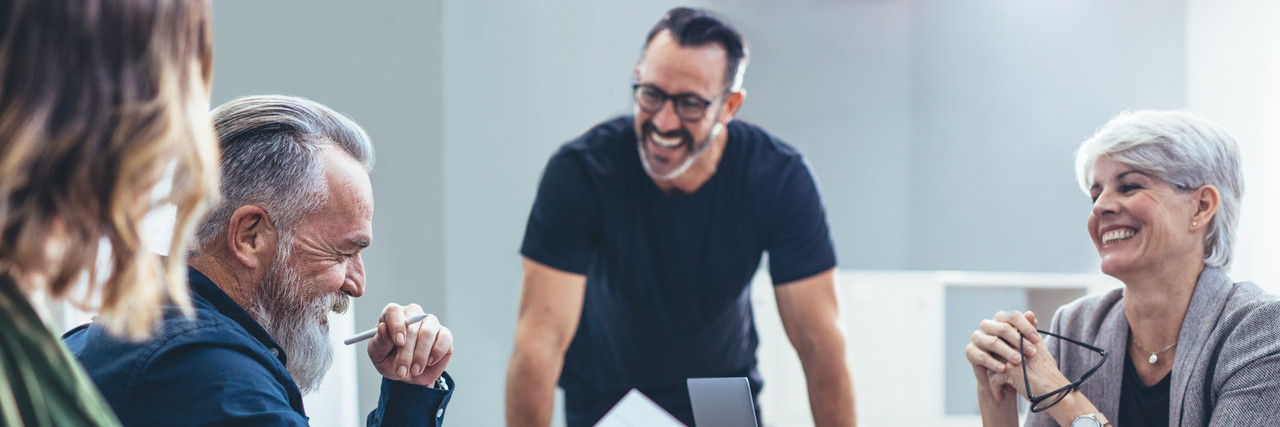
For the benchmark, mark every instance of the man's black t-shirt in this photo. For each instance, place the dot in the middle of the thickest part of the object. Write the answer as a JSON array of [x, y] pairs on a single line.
[[667, 276]]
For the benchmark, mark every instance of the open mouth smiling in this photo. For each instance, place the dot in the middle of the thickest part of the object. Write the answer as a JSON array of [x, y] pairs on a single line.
[[1117, 235], [665, 142]]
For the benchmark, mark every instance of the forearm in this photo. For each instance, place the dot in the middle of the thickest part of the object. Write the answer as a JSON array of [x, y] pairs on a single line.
[[830, 386], [550, 306], [531, 385], [1072, 406], [811, 317]]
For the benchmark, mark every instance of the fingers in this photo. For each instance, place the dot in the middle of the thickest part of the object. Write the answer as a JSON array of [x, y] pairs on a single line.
[[979, 358], [415, 353], [441, 364], [380, 346], [996, 385], [1021, 324], [426, 334], [1001, 340], [983, 377], [393, 316], [443, 346], [405, 354]]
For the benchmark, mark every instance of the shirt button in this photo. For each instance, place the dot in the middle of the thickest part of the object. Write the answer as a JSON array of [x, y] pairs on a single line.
[[440, 413], [275, 352]]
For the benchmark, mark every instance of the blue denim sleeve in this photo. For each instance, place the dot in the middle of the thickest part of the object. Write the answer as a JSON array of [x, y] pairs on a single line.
[[209, 384], [404, 404]]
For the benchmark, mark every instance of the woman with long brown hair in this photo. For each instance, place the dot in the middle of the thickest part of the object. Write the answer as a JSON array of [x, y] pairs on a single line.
[[100, 100]]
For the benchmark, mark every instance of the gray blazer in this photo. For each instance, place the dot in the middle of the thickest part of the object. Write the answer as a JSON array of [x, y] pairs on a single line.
[[1226, 369]]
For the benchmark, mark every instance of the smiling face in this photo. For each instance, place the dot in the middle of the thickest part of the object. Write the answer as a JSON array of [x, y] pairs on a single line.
[[1139, 223], [668, 144], [318, 270], [328, 243]]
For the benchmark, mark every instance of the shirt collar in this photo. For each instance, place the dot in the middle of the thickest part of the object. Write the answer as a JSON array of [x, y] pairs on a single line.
[[203, 289]]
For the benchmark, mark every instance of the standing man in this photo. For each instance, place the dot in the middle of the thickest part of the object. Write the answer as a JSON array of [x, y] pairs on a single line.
[[644, 237], [281, 250]]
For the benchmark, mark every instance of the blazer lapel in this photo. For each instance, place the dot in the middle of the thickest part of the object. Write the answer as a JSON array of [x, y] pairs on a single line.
[[1207, 302], [1113, 336]]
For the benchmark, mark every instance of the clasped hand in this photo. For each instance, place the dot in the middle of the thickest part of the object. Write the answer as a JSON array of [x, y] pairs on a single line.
[[415, 354], [993, 352]]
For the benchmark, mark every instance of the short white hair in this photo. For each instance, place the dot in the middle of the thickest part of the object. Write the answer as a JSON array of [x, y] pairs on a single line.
[[1182, 150]]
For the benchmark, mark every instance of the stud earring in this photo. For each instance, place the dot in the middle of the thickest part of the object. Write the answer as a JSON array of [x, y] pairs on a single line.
[[1193, 223]]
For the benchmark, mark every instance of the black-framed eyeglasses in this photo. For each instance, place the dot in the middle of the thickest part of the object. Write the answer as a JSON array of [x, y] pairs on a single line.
[[1047, 400], [689, 107]]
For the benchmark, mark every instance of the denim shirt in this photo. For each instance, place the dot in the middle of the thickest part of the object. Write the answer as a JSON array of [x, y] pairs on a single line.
[[220, 368]]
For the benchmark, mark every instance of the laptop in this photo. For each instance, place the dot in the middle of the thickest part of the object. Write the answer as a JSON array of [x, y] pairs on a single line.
[[722, 402]]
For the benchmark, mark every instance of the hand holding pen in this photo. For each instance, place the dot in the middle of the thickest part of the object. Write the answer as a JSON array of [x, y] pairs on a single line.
[[408, 345]]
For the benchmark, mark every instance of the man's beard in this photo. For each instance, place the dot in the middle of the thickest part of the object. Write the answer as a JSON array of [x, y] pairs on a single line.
[[694, 150], [297, 320]]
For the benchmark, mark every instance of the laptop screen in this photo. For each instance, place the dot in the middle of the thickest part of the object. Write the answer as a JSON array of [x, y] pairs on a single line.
[[722, 402]]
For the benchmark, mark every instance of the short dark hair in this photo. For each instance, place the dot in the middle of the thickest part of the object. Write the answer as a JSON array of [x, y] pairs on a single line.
[[697, 27]]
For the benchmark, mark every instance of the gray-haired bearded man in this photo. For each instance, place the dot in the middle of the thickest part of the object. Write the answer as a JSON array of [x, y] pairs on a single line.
[[275, 256]]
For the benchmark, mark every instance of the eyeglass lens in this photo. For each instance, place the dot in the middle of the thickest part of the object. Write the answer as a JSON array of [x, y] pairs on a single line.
[[1049, 401], [689, 107]]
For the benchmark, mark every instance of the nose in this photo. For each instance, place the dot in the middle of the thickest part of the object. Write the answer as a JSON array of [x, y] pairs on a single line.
[[666, 119], [1106, 204], [354, 283]]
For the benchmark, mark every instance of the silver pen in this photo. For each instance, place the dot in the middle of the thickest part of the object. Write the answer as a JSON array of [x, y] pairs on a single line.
[[370, 333]]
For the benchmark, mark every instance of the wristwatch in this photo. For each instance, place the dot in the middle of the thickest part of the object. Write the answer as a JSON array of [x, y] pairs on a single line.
[[1090, 420]]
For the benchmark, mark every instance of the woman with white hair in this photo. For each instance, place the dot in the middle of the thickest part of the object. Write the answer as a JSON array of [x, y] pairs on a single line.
[[1180, 343]]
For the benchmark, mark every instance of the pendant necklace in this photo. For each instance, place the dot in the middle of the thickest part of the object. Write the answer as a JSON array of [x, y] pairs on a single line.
[[1152, 360]]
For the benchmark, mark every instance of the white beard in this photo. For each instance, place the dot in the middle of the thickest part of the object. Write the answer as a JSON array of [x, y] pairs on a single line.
[[294, 321]]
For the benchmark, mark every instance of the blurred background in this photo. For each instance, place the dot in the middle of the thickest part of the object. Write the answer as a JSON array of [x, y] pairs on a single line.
[[941, 134]]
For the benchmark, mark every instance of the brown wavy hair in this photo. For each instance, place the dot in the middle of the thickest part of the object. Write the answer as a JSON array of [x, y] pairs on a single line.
[[99, 100]]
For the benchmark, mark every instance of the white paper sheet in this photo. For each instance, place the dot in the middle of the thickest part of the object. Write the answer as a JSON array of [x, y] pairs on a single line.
[[637, 410]]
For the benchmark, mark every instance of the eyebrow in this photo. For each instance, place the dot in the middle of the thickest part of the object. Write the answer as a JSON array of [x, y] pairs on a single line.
[[1118, 177], [1132, 171], [359, 242]]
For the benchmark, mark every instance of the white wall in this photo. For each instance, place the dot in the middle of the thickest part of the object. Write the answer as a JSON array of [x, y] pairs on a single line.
[[1003, 93], [1233, 77]]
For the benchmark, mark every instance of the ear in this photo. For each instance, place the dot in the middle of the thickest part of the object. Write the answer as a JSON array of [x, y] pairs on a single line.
[[251, 237], [732, 103], [1205, 200]]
